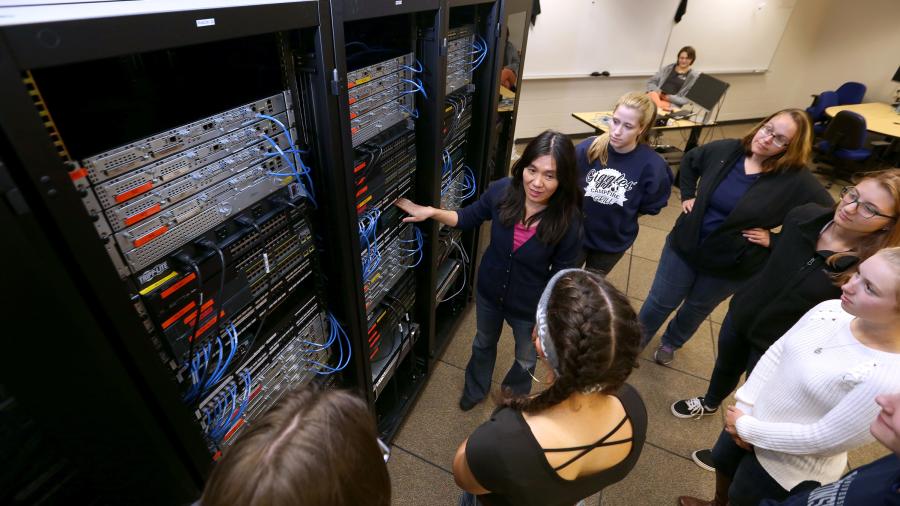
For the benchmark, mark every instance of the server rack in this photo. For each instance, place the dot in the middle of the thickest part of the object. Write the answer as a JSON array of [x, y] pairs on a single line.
[[139, 161], [147, 173]]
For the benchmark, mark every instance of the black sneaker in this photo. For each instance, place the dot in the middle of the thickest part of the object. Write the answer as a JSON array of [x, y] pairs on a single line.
[[703, 458], [692, 408]]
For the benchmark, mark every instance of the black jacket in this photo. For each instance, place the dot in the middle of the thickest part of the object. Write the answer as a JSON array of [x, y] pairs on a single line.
[[514, 280], [794, 280], [725, 252]]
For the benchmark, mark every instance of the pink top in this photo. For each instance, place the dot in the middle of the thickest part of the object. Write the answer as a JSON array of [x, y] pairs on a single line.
[[521, 234]]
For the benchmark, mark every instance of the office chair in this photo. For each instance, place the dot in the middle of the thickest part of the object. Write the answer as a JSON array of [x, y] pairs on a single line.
[[816, 111], [843, 145], [851, 93]]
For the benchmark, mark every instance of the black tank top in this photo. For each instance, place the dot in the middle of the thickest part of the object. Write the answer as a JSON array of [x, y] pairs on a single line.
[[506, 459]]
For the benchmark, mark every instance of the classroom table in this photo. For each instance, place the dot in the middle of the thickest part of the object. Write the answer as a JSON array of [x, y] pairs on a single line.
[[596, 121], [880, 118], [507, 99]]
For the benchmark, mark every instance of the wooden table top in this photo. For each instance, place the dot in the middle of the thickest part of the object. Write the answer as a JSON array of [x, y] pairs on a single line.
[[596, 121], [880, 117], [507, 101]]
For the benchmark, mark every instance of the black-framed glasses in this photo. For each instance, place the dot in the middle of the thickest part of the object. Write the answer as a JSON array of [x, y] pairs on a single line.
[[385, 449], [778, 140], [850, 195]]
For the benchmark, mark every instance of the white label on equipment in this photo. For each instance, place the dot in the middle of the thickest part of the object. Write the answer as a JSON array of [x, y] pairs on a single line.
[[266, 262], [398, 2], [206, 22]]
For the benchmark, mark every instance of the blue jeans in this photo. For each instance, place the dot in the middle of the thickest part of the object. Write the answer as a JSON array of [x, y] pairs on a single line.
[[677, 283], [736, 356], [750, 483], [489, 323]]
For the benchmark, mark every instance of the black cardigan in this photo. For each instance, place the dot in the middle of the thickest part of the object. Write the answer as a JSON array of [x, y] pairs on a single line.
[[725, 252], [794, 280], [514, 280]]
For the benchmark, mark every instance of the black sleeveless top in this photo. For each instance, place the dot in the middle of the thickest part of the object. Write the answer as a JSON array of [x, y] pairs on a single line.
[[506, 459]]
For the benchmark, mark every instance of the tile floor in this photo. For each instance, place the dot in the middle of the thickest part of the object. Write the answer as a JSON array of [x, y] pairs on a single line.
[[421, 461]]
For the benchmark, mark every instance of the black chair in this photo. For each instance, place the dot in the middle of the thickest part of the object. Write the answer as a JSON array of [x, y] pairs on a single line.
[[844, 145]]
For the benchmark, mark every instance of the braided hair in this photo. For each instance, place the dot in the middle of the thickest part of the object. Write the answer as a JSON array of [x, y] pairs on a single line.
[[596, 335]]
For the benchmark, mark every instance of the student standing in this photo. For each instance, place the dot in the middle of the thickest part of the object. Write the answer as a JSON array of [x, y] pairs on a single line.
[[816, 251], [745, 185], [586, 430], [810, 398], [669, 86], [623, 178], [877, 483], [535, 231]]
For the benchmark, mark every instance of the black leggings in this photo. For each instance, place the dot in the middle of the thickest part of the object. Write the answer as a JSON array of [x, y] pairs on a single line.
[[736, 355]]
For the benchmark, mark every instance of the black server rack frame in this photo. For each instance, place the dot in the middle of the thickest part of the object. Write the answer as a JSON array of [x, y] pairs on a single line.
[[395, 381], [49, 217], [484, 18]]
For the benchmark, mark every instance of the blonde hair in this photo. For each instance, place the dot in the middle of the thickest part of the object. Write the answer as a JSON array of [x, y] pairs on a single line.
[[798, 151], [879, 240], [892, 255], [599, 149]]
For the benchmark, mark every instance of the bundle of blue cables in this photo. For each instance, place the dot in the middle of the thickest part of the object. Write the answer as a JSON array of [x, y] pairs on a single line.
[[337, 334], [226, 411], [410, 252], [481, 50], [309, 189], [368, 236], [202, 377]]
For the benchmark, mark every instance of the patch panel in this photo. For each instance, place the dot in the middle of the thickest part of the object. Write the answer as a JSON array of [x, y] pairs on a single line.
[[125, 158], [287, 358]]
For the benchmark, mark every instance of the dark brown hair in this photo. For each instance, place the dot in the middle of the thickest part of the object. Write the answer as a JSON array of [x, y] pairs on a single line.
[[798, 152], [870, 244], [692, 54], [596, 335], [314, 448], [565, 203]]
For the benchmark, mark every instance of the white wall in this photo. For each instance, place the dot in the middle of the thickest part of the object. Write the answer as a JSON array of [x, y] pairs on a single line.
[[826, 43]]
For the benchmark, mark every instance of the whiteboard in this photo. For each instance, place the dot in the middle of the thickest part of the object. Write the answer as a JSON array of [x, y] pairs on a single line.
[[573, 38], [576, 37], [731, 35]]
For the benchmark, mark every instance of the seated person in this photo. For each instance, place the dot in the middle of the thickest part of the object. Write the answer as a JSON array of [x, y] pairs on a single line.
[[586, 430], [509, 75], [315, 448], [668, 87]]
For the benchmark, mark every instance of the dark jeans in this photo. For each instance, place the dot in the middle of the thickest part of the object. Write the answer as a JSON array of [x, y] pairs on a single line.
[[467, 499], [599, 261], [489, 323], [750, 483], [736, 355], [677, 283]]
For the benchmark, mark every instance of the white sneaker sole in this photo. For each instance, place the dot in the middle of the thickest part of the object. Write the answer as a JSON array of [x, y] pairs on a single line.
[[700, 462]]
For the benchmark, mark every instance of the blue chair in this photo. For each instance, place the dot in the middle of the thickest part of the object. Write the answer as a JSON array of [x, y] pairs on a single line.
[[851, 93], [816, 111], [844, 144]]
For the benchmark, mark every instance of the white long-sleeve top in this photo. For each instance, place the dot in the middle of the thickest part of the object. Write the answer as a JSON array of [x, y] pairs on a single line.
[[804, 409]]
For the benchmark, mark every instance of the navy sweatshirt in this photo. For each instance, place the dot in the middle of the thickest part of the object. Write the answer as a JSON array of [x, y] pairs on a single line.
[[638, 182], [514, 280]]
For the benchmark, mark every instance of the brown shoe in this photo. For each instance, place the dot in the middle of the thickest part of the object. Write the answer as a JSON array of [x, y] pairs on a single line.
[[693, 501], [721, 499]]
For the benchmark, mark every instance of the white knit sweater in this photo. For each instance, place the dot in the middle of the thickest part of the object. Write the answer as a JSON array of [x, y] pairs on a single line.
[[805, 410]]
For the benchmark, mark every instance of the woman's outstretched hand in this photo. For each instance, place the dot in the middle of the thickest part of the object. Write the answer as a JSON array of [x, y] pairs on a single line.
[[415, 211]]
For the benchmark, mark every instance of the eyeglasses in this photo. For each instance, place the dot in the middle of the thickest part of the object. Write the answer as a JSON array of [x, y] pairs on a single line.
[[385, 449], [850, 195], [778, 140]]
